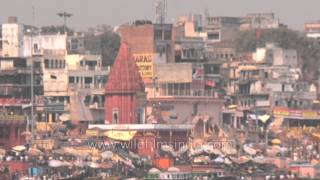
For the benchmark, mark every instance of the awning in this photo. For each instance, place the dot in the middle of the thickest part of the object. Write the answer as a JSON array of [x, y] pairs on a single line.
[[120, 135], [107, 155], [241, 160], [264, 118], [2, 152], [232, 106], [55, 163], [276, 141], [249, 150], [65, 117], [92, 132], [19, 148], [316, 135]]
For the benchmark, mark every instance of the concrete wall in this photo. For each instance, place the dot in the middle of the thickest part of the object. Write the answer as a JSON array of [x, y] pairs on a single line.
[[174, 73], [139, 38], [184, 110], [56, 42], [73, 60], [285, 57], [55, 82], [12, 38]]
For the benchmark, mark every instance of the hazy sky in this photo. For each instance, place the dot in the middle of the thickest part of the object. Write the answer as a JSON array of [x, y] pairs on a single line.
[[88, 13]]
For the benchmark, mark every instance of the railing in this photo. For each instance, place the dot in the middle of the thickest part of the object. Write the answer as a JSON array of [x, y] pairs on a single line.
[[86, 86], [296, 94], [21, 69], [191, 93], [263, 103], [96, 106]]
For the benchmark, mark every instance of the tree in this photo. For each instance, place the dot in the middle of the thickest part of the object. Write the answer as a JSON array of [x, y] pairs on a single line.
[[104, 42], [285, 38], [55, 29], [308, 49]]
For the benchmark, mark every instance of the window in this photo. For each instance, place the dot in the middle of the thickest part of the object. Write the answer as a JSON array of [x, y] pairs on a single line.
[[195, 109], [71, 79], [4, 133], [115, 116], [46, 63], [56, 63], [167, 35], [88, 80], [158, 34], [213, 36], [17, 132], [50, 63]]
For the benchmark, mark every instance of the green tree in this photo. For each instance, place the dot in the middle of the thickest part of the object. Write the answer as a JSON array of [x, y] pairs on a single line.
[[308, 49], [55, 29], [104, 42], [247, 40]]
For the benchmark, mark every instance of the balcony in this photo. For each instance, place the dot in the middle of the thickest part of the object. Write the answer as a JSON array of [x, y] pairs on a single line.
[[96, 106], [296, 95], [92, 87], [191, 93]]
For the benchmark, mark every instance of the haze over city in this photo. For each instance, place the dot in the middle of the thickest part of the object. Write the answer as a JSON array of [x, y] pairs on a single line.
[[159, 89], [89, 13]]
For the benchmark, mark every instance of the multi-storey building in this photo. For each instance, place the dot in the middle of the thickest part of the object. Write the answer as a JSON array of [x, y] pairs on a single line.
[[12, 38], [271, 80], [86, 79], [15, 97], [260, 21], [220, 29], [312, 29]]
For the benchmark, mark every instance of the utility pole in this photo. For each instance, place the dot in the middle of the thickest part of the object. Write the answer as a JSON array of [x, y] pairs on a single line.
[[154, 105], [161, 12], [65, 16], [258, 31], [32, 82]]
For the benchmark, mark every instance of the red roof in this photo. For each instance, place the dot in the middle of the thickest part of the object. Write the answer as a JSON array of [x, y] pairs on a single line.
[[124, 76]]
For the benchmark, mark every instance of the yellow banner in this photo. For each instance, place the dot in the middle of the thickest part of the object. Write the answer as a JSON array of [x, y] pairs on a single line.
[[145, 64], [310, 114], [12, 117], [47, 144], [281, 111], [92, 133], [120, 135]]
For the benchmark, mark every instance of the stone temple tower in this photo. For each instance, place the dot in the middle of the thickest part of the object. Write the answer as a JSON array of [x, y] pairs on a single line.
[[125, 97]]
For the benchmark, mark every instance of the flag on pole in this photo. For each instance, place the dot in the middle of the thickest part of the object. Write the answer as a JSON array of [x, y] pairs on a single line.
[[210, 83]]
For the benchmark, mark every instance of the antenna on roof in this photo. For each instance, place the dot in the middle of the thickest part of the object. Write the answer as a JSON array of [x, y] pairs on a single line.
[[161, 11], [65, 16]]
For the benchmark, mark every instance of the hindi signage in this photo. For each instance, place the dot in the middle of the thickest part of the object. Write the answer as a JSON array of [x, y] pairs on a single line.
[[145, 64], [296, 113]]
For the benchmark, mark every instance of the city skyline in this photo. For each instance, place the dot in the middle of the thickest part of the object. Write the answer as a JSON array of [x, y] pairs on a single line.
[[89, 13]]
